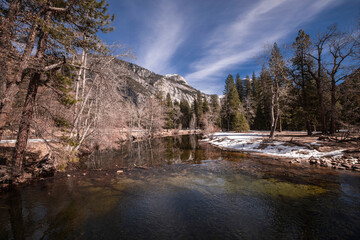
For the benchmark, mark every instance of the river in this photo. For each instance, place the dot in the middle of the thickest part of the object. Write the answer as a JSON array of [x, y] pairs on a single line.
[[181, 188]]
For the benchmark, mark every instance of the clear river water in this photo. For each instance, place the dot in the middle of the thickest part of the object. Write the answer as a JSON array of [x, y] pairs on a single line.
[[181, 188]]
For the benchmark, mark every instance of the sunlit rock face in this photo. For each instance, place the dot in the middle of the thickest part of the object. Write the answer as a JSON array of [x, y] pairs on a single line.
[[138, 84]]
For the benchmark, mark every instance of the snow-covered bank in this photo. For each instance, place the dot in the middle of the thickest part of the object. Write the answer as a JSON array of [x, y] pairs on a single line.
[[29, 141], [257, 142]]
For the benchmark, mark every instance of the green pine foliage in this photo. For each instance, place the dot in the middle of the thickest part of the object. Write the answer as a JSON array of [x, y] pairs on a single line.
[[239, 87], [262, 102], [185, 110], [169, 119], [206, 107], [232, 118], [350, 101], [198, 106], [215, 110], [248, 87], [303, 87]]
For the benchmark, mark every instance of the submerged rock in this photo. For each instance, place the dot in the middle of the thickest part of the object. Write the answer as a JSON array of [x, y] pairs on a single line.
[[345, 165], [356, 167], [313, 160]]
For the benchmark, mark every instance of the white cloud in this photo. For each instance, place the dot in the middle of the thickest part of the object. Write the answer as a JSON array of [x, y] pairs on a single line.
[[237, 42], [163, 35]]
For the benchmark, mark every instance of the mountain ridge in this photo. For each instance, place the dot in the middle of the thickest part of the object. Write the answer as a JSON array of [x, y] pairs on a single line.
[[140, 84]]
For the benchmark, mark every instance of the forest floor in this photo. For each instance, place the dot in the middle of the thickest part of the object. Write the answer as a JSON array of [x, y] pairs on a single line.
[[340, 151]]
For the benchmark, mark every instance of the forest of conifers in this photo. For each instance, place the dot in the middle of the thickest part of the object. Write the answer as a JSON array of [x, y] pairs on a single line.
[[314, 87]]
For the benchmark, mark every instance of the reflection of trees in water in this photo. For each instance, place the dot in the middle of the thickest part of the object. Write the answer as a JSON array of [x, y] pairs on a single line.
[[155, 152], [15, 206]]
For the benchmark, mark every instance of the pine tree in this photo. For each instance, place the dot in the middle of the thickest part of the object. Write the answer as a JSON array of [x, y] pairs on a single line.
[[253, 84], [215, 110], [262, 106], [350, 100], [169, 124], [278, 72], [233, 119], [248, 87], [248, 100], [198, 108], [185, 110], [304, 84], [206, 107], [239, 87], [62, 28]]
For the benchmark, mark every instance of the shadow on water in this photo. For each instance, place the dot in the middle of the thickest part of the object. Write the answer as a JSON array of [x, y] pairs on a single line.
[[190, 191]]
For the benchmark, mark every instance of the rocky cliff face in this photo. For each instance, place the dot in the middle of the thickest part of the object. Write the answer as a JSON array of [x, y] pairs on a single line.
[[137, 84]]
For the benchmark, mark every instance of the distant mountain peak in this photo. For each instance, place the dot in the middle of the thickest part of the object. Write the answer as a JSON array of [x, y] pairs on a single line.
[[177, 78], [138, 84]]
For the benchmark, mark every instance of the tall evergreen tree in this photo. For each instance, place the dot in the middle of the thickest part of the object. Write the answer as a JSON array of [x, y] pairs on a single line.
[[302, 79], [278, 73], [248, 102], [206, 107], [59, 30], [253, 84], [233, 119], [185, 110], [248, 87], [198, 108], [169, 124], [263, 96], [215, 110], [239, 87]]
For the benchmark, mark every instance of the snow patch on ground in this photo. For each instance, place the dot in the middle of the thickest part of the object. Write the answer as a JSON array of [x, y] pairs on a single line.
[[29, 141], [253, 142]]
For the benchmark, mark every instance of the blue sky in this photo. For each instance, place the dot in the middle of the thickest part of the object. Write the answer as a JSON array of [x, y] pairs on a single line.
[[205, 40]]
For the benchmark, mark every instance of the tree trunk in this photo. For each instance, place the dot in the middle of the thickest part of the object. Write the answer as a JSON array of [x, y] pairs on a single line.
[[308, 127], [305, 95], [24, 128], [28, 109], [16, 215], [321, 108], [280, 124], [333, 106], [272, 113]]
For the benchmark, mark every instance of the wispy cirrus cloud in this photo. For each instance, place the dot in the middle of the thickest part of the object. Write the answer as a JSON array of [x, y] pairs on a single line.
[[238, 41], [161, 36]]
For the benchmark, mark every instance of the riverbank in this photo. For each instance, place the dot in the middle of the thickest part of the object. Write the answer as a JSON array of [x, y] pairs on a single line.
[[38, 164], [296, 147], [42, 161]]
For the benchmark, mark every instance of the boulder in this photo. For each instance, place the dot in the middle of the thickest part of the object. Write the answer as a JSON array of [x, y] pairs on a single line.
[[356, 167], [346, 165], [44, 168], [313, 160], [324, 164]]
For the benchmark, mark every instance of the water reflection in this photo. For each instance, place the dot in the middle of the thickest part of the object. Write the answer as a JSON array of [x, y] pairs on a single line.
[[16, 217], [151, 153], [191, 191]]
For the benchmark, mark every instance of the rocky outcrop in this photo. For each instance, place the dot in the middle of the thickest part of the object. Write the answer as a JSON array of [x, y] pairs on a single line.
[[137, 84]]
